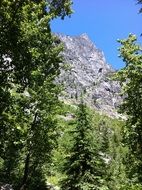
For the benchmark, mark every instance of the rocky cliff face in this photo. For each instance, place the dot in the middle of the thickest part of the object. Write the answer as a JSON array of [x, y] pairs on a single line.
[[88, 74]]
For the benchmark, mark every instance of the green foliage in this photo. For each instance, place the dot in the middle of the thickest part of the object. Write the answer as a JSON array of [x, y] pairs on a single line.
[[132, 187], [116, 173], [84, 166], [131, 80], [108, 135], [29, 63], [113, 152], [60, 8], [140, 2]]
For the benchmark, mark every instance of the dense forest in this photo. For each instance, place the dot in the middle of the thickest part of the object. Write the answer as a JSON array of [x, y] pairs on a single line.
[[46, 143]]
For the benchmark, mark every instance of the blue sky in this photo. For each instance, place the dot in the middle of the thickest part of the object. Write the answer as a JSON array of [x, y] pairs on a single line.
[[104, 22]]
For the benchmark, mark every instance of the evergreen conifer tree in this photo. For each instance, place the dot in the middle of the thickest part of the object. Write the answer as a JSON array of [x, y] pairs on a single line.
[[84, 167]]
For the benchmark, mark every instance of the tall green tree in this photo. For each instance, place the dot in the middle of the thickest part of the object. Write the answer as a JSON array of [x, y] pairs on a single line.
[[29, 62], [131, 80], [84, 167], [140, 2], [23, 25], [113, 151], [116, 170]]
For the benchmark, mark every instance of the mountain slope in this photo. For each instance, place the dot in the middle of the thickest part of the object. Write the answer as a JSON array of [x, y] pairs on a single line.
[[89, 74]]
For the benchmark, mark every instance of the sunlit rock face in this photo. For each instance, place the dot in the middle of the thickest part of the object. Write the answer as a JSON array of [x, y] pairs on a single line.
[[89, 74]]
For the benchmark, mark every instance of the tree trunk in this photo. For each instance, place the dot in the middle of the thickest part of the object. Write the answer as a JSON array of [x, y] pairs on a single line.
[[27, 161], [26, 172]]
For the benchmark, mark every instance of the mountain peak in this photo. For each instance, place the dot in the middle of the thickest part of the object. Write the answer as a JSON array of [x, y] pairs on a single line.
[[85, 36], [89, 74]]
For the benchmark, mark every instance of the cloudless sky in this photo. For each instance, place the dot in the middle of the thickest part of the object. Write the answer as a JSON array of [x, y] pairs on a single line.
[[104, 21]]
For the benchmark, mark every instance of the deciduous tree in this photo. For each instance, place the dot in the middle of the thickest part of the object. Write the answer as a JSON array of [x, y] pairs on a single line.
[[29, 63], [131, 80]]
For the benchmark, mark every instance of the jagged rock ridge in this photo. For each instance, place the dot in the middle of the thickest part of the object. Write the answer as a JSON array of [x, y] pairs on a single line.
[[88, 73]]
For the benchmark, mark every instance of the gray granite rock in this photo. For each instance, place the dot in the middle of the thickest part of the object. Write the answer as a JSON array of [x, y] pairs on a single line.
[[88, 73]]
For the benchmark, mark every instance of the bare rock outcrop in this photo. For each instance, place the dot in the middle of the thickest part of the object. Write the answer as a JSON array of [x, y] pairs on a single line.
[[90, 74]]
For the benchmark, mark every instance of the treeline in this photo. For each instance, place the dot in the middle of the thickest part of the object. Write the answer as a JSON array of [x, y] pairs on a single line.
[[41, 139]]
